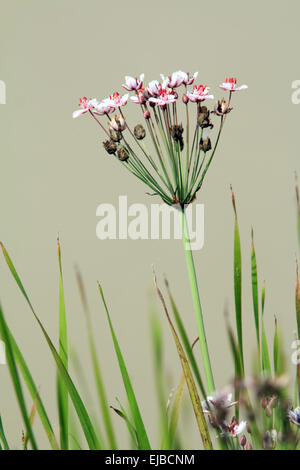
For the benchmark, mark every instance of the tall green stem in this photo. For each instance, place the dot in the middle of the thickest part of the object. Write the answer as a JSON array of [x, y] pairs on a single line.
[[197, 305]]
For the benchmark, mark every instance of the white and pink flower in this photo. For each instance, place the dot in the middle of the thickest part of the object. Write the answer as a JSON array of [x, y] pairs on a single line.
[[132, 83], [103, 108], [165, 97], [187, 79], [199, 93], [141, 96], [220, 401], [85, 105], [231, 85], [116, 101], [172, 81], [294, 416], [154, 88], [234, 429]]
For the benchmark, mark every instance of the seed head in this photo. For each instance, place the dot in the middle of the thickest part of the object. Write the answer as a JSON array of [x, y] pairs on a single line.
[[203, 118], [205, 144], [110, 146], [139, 132], [122, 154], [118, 123], [116, 136], [176, 133]]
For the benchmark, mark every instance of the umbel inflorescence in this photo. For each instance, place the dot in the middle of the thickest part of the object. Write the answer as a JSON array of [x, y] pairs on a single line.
[[182, 150]]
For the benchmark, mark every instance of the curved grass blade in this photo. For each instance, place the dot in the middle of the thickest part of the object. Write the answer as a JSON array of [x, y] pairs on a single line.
[[202, 425], [15, 378], [86, 424], [136, 415], [62, 391], [96, 367], [186, 342], [2, 436], [174, 416], [238, 282], [255, 297], [31, 419], [238, 369], [32, 388], [131, 429]]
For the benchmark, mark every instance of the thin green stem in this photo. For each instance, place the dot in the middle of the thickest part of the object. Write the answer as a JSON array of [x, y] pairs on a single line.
[[197, 306]]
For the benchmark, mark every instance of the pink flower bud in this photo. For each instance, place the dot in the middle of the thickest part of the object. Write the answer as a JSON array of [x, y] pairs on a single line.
[[147, 114], [185, 99], [248, 446], [243, 441]]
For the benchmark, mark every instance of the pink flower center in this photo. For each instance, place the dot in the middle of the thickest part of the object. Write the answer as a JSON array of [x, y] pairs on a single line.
[[200, 89], [116, 97], [231, 80], [83, 102]]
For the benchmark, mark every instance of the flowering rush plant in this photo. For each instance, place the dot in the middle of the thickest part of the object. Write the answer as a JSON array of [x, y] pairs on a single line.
[[182, 151], [183, 154]]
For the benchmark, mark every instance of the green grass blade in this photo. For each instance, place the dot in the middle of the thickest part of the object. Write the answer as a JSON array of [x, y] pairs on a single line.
[[62, 390], [276, 350], [175, 411], [157, 341], [255, 296], [31, 419], [195, 399], [136, 415], [238, 368], [186, 342], [83, 416], [15, 378], [32, 388], [238, 282], [97, 370], [2, 436], [266, 363], [130, 427]]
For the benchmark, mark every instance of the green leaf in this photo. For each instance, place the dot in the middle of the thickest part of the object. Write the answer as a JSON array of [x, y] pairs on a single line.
[[195, 399], [238, 283], [2, 436], [266, 364], [31, 419], [62, 390], [255, 296], [97, 370], [136, 415], [83, 416], [159, 379], [15, 378], [131, 429], [32, 388], [174, 416]]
